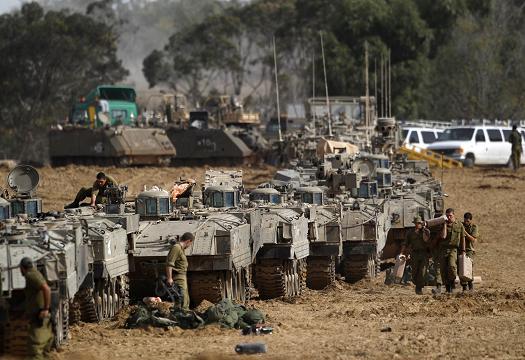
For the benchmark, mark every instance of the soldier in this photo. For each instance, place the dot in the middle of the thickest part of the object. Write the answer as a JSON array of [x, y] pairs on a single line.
[[417, 241], [448, 249], [177, 261], [37, 302], [436, 234], [471, 237], [97, 192], [515, 140]]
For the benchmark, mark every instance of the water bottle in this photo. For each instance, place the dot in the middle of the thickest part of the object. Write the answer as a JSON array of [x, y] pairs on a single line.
[[251, 348]]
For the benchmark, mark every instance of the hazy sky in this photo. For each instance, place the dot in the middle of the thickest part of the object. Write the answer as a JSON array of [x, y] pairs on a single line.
[[6, 5]]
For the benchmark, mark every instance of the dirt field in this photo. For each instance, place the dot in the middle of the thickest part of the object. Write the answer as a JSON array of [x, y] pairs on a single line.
[[346, 321]]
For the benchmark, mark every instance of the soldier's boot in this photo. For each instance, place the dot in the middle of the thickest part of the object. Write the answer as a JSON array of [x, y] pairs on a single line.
[[464, 286], [449, 288], [470, 286], [73, 205], [437, 290], [419, 291]]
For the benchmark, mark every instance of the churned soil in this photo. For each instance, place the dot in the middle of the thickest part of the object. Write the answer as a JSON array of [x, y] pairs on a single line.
[[363, 320]]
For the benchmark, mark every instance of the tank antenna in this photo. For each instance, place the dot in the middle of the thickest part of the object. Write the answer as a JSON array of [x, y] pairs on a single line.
[[326, 88], [367, 104], [277, 91], [313, 91]]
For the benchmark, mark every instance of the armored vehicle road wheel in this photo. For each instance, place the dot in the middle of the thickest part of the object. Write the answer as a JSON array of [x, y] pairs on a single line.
[[358, 267], [61, 324], [321, 272], [280, 278]]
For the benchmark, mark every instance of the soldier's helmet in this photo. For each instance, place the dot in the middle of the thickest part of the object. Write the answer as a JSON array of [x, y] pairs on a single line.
[[417, 219]]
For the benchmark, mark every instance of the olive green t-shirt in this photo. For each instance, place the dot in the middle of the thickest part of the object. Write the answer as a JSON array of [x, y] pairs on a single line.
[[455, 235], [415, 241], [110, 181], [472, 230], [178, 261], [33, 291]]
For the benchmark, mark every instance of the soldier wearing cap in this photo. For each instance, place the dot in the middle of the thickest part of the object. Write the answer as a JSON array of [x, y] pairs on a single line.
[[97, 192], [37, 303], [176, 262], [416, 242], [453, 241]]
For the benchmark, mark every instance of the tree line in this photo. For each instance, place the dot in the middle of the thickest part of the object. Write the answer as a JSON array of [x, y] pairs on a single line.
[[449, 59]]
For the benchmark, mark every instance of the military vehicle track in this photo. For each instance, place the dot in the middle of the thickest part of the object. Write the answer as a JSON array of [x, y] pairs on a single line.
[[217, 285], [321, 272], [103, 302], [358, 267], [280, 278], [16, 335]]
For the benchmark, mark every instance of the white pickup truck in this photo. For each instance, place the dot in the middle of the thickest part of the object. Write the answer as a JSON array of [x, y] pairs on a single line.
[[477, 145]]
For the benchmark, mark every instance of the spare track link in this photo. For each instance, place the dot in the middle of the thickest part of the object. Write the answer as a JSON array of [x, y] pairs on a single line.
[[321, 272]]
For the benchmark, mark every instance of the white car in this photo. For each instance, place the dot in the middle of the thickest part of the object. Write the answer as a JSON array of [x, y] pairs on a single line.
[[477, 145], [419, 136]]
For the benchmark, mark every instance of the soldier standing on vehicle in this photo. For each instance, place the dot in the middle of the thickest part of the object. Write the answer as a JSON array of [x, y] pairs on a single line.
[[453, 241], [471, 237], [97, 192], [517, 149], [37, 303], [177, 262], [417, 241]]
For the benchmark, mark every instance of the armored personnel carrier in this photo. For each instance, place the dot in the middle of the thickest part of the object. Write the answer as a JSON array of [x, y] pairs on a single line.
[[324, 235], [103, 130], [59, 250], [280, 248], [220, 257]]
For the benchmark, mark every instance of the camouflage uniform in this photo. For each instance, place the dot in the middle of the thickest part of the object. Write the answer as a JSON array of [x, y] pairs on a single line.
[[448, 249], [515, 140], [472, 230], [97, 190], [178, 261], [40, 333], [418, 257]]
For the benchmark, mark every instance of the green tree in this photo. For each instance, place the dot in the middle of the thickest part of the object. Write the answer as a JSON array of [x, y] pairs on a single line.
[[48, 59]]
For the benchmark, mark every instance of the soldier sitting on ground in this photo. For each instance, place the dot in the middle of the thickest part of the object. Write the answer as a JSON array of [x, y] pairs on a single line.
[[97, 192]]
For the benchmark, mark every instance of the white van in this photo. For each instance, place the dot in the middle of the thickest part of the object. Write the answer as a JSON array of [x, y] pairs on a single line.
[[420, 136], [480, 145]]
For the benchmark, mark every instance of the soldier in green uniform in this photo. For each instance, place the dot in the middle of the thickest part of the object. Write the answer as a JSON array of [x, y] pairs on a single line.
[[515, 140], [37, 302], [436, 233], [417, 242], [453, 241], [471, 237], [178, 263], [97, 192]]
